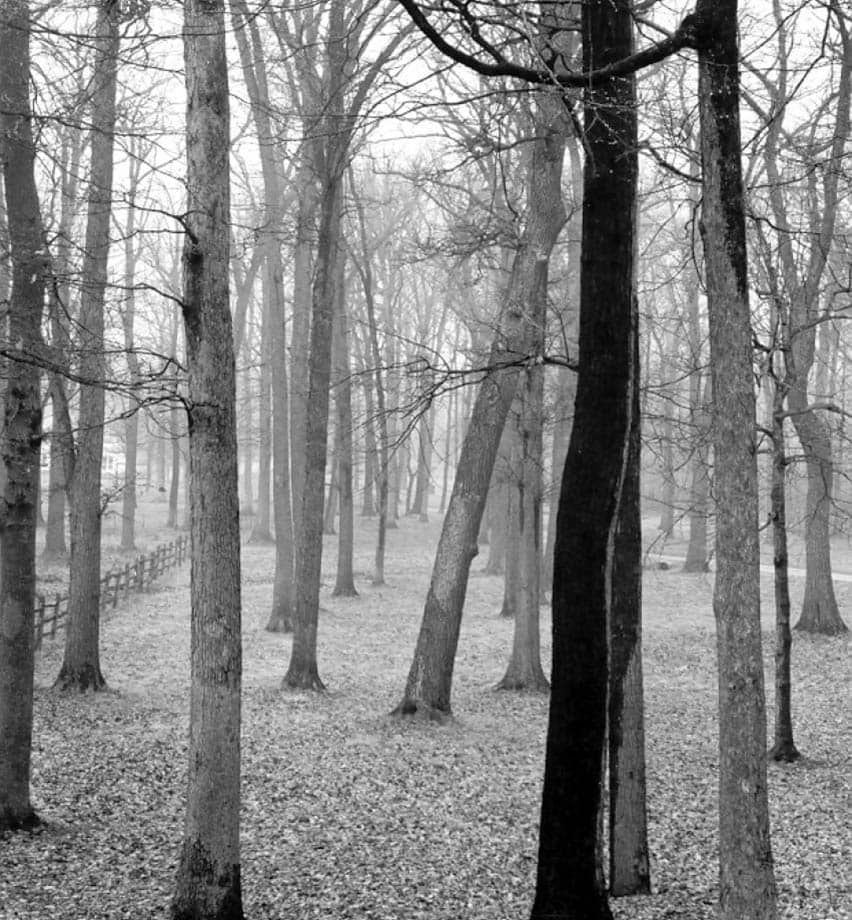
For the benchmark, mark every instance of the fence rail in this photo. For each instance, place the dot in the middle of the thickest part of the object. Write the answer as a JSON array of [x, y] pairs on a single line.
[[115, 584]]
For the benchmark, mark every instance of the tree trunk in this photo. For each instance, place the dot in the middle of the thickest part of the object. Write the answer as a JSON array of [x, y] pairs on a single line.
[[302, 672], [208, 879], [784, 747], [420, 505], [569, 880], [524, 671], [427, 690], [254, 73], [174, 483], [629, 861], [820, 613], [81, 668], [261, 532], [699, 493], [747, 883], [61, 437], [344, 585], [128, 319], [283, 591], [21, 434]]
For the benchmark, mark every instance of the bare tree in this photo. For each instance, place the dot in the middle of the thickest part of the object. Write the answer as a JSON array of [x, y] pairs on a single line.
[[20, 439], [208, 880], [81, 668]]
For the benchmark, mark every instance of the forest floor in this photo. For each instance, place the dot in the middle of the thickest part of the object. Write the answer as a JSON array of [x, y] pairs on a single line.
[[350, 814]]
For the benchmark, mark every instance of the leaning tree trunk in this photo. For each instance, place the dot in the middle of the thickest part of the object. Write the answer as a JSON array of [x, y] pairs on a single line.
[[427, 690], [81, 669], [21, 434], [208, 880], [569, 882], [629, 862], [747, 882]]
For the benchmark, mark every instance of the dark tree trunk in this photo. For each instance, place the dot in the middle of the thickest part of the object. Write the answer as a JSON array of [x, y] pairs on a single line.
[[569, 882], [629, 861], [81, 668], [21, 433], [747, 883], [208, 879]]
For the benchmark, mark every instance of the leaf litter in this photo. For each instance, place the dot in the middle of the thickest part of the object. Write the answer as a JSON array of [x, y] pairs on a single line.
[[348, 813]]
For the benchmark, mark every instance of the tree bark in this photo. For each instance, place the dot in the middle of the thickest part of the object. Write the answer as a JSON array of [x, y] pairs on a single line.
[[21, 433], [81, 668], [629, 860], [208, 880], [747, 883]]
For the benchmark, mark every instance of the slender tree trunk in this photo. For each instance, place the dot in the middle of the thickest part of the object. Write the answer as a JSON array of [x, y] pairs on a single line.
[[283, 592], [344, 585], [569, 883], [174, 483], [21, 432], [747, 883], [301, 330], [61, 437], [784, 747], [699, 494], [81, 668], [629, 861], [261, 532], [255, 75], [128, 318], [302, 672], [381, 453], [208, 880], [427, 690]]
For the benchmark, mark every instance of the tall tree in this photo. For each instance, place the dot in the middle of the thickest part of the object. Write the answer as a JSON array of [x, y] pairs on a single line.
[[569, 881], [629, 860], [798, 288], [208, 881], [81, 669], [747, 883], [20, 440]]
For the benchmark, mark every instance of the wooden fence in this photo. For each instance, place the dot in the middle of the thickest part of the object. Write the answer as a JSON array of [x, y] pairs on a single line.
[[116, 584]]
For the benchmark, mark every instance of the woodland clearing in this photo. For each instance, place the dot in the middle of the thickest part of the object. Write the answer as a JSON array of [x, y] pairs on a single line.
[[350, 814]]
